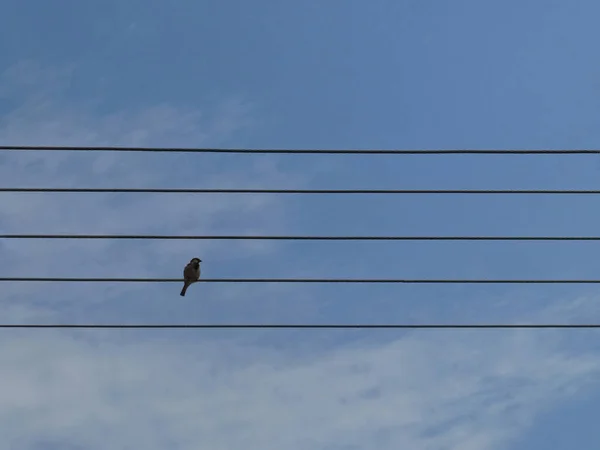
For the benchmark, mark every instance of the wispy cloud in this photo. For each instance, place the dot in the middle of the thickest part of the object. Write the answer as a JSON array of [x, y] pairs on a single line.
[[431, 390], [42, 117]]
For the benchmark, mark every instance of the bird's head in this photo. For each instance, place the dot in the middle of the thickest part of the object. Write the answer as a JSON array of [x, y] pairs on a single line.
[[196, 261]]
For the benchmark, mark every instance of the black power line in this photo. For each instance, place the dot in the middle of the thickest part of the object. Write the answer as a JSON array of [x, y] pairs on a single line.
[[305, 191], [298, 238], [306, 326], [300, 280], [295, 151]]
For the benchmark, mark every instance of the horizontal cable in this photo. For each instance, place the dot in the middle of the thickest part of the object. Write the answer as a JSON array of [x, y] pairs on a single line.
[[310, 326], [299, 280], [293, 151], [304, 191], [298, 238]]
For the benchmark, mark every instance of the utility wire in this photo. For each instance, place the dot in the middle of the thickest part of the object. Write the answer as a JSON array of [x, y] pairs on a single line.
[[303, 191], [298, 238], [300, 280], [295, 151], [306, 326]]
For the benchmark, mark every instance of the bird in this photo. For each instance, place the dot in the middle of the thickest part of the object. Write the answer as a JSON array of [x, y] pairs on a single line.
[[191, 274]]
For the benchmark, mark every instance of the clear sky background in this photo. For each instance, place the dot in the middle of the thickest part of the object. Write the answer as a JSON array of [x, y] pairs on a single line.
[[402, 74]]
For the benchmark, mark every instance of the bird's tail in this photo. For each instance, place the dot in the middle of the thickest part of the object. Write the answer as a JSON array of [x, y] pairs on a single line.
[[185, 286]]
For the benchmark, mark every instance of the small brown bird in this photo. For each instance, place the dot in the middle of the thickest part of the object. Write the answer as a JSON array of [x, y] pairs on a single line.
[[191, 274]]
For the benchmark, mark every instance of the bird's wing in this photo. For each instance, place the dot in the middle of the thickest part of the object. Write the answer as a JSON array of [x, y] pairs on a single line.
[[189, 273]]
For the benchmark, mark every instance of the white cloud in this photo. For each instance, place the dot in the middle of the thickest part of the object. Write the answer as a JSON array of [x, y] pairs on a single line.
[[431, 390], [45, 118], [195, 389]]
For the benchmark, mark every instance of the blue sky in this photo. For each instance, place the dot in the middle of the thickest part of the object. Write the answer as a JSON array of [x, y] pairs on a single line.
[[413, 74]]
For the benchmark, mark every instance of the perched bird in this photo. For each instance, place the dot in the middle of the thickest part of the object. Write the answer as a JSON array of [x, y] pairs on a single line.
[[191, 274]]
